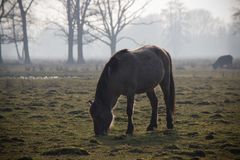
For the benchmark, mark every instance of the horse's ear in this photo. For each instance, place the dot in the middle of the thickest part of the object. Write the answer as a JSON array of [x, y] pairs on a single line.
[[90, 102]]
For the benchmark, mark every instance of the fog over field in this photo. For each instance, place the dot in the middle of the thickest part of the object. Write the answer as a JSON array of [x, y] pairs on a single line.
[[60, 93], [187, 29]]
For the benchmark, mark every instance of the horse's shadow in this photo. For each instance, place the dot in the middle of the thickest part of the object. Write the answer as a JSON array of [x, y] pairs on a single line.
[[154, 138]]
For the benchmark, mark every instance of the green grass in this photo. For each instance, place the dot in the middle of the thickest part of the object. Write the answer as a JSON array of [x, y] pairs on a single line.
[[49, 119]]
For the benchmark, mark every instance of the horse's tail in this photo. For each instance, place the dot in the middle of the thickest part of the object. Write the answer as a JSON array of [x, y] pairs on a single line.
[[172, 90], [172, 85]]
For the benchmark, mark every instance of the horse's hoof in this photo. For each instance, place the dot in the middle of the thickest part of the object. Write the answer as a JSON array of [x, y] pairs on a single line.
[[100, 135], [150, 128], [170, 126], [128, 133]]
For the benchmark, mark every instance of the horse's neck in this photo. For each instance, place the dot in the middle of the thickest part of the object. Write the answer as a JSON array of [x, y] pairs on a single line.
[[108, 100]]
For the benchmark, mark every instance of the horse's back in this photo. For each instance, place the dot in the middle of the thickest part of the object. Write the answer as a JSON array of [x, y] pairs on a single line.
[[223, 60], [141, 69]]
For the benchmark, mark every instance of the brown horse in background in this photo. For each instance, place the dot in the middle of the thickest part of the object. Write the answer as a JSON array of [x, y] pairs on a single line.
[[129, 73], [226, 60]]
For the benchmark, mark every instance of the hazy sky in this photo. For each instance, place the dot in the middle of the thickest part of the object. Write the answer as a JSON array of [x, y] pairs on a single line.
[[219, 8], [45, 44]]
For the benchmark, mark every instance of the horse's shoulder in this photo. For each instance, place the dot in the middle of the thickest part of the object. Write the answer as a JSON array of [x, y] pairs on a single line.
[[121, 55], [113, 63], [122, 51]]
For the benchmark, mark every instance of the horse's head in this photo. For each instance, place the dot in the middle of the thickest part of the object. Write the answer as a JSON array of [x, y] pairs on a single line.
[[102, 118], [214, 65]]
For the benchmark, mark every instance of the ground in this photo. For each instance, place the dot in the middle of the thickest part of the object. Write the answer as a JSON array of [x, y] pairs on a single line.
[[48, 118]]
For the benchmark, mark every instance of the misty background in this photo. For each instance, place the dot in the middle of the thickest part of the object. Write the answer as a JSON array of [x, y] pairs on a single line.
[[187, 29]]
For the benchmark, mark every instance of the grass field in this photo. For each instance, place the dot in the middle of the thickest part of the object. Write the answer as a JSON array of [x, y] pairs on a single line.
[[48, 118]]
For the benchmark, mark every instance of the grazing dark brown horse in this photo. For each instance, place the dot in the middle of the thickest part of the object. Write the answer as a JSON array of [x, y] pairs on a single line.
[[129, 73], [226, 60]]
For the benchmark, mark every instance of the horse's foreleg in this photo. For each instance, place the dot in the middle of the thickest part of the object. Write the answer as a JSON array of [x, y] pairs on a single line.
[[154, 103], [130, 101]]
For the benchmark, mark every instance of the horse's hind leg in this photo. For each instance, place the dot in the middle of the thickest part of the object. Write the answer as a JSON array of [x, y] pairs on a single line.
[[154, 103], [168, 92], [130, 101]]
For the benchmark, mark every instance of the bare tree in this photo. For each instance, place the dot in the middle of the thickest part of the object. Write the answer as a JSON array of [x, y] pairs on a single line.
[[82, 13], [202, 23], [65, 25], [11, 27], [6, 7], [236, 18], [206, 34], [76, 15], [113, 16], [80, 30], [175, 24], [17, 36], [23, 13], [1, 42], [70, 18]]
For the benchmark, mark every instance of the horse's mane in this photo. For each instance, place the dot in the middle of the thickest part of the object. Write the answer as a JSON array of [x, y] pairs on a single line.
[[109, 69], [102, 83], [122, 51]]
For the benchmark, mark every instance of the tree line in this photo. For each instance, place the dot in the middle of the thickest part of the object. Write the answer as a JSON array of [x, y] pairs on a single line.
[[86, 21]]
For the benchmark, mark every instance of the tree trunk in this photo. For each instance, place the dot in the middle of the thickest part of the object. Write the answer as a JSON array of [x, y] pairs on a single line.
[[1, 60], [25, 36], [80, 59], [70, 33], [1, 32], [80, 48], [113, 45], [15, 39], [70, 47]]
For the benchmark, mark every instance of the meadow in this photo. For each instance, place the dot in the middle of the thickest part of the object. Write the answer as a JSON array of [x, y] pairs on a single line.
[[46, 116]]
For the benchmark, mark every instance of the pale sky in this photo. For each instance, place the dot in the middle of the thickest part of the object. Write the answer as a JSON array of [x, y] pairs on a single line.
[[222, 9], [45, 45], [219, 8]]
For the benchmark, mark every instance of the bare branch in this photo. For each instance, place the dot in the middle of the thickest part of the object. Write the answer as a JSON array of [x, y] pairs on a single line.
[[29, 6], [84, 10], [3, 14], [115, 15], [131, 39], [60, 27], [104, 20], [147, 23], [98, 38], [98, 29], [129, 19]]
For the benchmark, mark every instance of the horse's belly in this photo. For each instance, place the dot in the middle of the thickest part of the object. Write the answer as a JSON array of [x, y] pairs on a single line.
[[145, 77], [140, 85], [149, 77], [146, 88], [147, 84]]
